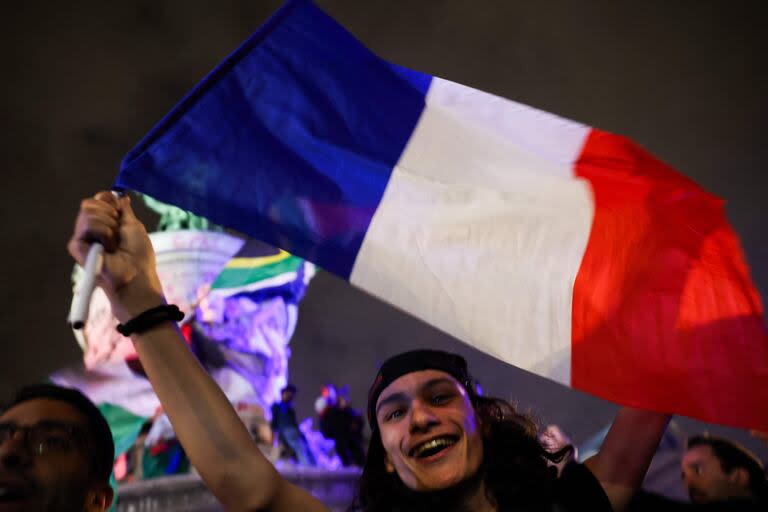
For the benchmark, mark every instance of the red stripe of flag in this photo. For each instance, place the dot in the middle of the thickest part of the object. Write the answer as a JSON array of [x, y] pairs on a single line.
[[664, 313]]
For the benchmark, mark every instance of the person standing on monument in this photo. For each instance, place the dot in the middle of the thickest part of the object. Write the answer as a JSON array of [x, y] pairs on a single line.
[[286, 428]]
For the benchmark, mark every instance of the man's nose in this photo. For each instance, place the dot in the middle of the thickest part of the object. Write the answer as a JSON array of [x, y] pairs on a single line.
[[14, 453], [422, 416], [689, 479]]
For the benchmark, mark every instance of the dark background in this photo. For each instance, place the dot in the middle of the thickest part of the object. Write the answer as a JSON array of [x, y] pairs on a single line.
[[83, 81]]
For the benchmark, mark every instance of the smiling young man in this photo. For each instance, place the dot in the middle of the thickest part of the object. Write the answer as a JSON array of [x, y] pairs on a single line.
[[441, 444], [56, 452], [436, 443]]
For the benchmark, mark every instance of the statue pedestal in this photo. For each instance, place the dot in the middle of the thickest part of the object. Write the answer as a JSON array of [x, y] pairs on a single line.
[[188, 493]]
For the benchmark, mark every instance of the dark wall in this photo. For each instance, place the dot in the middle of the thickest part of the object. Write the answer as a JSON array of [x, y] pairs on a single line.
[[84, 80]]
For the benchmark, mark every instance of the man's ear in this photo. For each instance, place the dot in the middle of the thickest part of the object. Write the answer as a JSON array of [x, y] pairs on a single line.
[[482, 427], [740, 477], [388, 466], [99, 500]]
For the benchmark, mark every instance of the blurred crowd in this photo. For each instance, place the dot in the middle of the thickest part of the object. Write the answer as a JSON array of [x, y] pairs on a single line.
[[280, 436]]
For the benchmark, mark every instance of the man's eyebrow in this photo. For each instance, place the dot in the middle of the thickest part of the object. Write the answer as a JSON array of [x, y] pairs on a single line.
[[57, 424], [394, 397], [397, 397], [438, 381], [50, 424]]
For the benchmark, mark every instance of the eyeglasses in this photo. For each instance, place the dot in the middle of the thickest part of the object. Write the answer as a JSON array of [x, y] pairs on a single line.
[[46, 436]]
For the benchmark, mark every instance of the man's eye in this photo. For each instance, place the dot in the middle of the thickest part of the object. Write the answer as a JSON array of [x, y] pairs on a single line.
[[393, 415], [55, 442], [440, 399]]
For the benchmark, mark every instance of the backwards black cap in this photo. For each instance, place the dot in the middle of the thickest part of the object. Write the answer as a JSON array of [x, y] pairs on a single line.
[[414, 361]]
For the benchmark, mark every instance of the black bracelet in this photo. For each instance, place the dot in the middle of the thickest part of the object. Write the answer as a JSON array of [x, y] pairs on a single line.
[[150, 318]]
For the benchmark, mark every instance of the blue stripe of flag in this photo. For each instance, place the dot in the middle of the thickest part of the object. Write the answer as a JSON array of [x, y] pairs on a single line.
[[291, 139]]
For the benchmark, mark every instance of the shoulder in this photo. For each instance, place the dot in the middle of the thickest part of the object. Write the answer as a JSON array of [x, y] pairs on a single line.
[[577, 489]]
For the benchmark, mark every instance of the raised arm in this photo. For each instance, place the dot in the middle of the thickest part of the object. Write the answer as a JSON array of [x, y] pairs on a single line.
[[213, 436], [626, 453]]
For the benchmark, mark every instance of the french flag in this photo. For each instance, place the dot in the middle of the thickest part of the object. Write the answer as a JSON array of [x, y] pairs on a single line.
[[558, 248]]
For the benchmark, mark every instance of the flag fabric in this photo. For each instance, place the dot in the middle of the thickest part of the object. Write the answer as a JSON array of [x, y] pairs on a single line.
[[245, 321], [260, 271], [112, 383], [558, 248]]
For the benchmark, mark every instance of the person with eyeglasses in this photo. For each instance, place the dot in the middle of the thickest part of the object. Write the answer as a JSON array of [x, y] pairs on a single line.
[[56, 452]]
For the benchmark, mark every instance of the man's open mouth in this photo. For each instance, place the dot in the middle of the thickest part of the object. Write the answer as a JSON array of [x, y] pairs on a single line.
[[433, 446]]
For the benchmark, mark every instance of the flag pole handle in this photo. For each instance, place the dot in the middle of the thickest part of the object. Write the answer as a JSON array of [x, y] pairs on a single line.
[[81, 300]]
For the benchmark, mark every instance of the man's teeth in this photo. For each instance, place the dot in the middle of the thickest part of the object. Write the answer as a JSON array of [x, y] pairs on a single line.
[[433, 445]]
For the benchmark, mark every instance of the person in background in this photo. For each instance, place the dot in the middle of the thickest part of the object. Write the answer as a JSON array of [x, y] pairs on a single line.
[[56, 452], [716, 469], [344, 425], [286, 428], [719, 474]]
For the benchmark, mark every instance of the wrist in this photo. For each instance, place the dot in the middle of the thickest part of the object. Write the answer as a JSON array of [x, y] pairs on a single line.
[[150, 319], [136, 297]]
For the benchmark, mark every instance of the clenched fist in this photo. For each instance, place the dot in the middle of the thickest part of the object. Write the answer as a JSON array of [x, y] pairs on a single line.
[[128, 275]]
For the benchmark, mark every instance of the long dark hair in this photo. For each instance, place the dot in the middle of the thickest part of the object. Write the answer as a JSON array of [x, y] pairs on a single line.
[[514, 468]]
